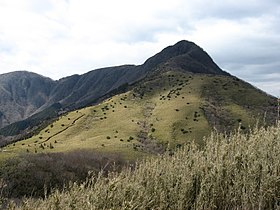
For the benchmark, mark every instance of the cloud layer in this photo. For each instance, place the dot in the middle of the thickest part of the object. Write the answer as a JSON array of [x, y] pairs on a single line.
[[61, 38]]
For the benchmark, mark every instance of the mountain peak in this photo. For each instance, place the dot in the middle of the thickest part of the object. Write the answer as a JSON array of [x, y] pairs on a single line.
[[19, 75], [186, 56], [181, 47]]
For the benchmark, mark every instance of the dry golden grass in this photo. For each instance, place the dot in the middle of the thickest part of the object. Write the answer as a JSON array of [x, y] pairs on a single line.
[[233, 172]]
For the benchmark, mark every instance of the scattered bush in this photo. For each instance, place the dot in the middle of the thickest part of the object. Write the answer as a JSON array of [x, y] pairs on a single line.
[[242, 127]]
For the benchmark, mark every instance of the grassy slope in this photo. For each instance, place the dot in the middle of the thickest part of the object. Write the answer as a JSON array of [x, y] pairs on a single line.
[[233, 102], [164, 110]]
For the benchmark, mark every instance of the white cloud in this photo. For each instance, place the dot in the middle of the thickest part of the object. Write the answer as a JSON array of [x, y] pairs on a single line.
[[60, 38]]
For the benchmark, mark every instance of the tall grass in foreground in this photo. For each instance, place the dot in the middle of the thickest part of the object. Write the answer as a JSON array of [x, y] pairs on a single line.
[[234, 172]]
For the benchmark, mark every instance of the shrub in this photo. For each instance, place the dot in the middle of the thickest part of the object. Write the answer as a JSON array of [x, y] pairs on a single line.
[[242, 127], [31, 175]]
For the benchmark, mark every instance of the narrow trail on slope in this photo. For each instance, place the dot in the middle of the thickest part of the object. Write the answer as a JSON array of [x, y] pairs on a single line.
[[59, 132], [149, 143]]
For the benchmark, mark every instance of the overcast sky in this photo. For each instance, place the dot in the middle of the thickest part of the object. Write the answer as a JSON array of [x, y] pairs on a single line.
[[58, 38]]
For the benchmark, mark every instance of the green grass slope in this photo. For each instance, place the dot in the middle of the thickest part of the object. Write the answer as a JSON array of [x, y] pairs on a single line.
[[163, 111]]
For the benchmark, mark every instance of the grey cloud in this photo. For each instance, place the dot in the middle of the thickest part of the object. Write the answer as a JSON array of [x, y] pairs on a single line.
[[237, 9]]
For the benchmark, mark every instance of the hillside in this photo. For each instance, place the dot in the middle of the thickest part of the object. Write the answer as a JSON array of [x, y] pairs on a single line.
[[162, 111], [177, 95], [77, 91]]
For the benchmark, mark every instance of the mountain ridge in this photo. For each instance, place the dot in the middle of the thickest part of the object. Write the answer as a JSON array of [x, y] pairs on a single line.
[[77, 91]]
